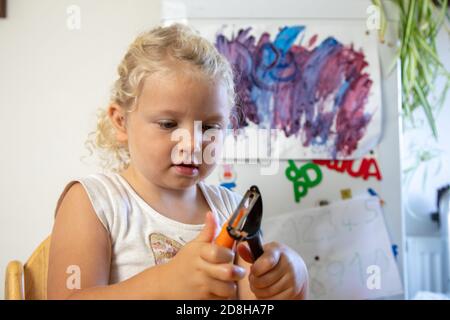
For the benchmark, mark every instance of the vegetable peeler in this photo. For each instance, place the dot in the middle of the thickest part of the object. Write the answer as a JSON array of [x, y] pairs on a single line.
[[245, 224]]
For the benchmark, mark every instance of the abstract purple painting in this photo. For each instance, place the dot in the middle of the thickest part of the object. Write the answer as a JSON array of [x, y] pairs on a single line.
[[319, 94]]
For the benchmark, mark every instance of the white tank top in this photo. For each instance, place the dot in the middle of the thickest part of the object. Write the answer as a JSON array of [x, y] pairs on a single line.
[[140, 236]]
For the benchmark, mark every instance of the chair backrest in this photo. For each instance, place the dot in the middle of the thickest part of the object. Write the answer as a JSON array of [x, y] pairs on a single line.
[[35, 272], [32, 276], [14, 281]]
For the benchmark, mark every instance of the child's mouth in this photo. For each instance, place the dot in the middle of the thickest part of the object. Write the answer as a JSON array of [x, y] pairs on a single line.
[[186, 169]]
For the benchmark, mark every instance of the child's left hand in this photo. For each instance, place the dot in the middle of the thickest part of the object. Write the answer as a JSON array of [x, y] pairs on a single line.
[[280, 273]]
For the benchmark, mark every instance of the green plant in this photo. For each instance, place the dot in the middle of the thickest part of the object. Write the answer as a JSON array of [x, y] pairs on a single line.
[[420, 22]]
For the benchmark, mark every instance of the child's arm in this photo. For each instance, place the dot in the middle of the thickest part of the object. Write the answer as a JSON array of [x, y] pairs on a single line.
[[80, 240], [200, 270]]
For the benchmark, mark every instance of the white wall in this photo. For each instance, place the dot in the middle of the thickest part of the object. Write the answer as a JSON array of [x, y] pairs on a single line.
[[52, 80], [443, 46]]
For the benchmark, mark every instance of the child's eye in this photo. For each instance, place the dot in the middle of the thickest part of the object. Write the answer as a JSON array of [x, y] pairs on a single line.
[[167, 124], [211, 126]]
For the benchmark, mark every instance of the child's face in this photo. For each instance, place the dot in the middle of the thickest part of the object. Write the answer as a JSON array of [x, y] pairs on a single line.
[[169, 103]]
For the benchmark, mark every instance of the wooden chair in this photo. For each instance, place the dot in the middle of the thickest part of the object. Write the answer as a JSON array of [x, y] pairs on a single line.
[[28, 281]]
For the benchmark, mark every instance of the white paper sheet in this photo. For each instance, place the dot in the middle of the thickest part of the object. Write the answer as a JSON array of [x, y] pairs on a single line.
[[345, 246]]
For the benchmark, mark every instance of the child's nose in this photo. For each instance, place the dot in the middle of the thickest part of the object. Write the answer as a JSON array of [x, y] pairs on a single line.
[[193, 145]]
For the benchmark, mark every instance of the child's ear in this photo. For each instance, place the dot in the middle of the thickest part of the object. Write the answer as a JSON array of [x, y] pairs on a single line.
[[117, 115]]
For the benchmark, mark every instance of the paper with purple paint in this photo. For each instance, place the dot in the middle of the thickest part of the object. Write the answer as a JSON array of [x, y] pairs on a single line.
[[342, 244], [315, 85]]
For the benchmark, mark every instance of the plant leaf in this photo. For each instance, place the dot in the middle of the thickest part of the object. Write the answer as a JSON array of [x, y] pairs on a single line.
[[428, 110]]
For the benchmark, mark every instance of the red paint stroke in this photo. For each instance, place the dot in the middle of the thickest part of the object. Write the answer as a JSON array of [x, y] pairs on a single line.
[[312, 41], [368, 167]]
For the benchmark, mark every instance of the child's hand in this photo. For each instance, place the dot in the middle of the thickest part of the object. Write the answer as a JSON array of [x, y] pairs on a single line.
[[203, 270], [279, 273]]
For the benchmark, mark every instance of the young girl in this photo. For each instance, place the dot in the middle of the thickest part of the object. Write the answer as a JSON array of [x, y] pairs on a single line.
[[146, 229]]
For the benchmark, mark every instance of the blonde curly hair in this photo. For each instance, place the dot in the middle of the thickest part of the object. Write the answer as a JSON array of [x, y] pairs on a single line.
[[152, 52]]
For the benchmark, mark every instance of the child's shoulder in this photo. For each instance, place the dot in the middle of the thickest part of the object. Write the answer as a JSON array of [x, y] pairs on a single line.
[[95, 192], [87, 187]]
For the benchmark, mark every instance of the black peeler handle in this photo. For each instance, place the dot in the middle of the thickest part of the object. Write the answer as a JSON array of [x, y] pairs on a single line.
[[255, 245]]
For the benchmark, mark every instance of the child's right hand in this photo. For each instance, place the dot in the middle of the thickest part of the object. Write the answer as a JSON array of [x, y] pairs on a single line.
[[202, 269]]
